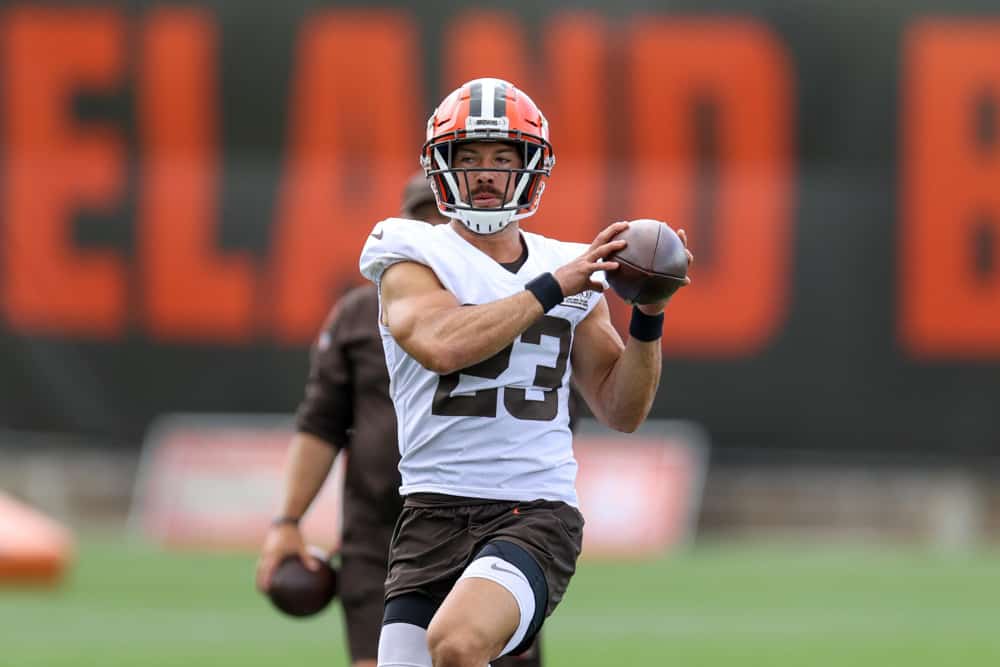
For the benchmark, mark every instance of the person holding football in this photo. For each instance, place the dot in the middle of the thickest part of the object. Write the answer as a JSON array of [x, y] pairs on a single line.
[[483, 325], [347, 406]]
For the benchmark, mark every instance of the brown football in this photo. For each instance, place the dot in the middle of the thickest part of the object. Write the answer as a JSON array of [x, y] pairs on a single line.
[[652, 266], [298, 591]]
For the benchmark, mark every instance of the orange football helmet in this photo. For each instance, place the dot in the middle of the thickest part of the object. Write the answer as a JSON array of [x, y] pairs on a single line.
[[488, 110]]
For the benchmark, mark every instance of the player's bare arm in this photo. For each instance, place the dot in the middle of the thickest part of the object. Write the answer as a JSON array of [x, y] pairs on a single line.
[[618, 379], [435, 329], [309, 463]]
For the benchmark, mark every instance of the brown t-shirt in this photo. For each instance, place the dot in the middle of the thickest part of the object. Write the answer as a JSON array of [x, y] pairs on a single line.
[[347, 404]]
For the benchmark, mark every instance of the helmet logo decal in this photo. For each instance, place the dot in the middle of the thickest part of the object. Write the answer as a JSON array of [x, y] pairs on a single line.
[[473, 123]]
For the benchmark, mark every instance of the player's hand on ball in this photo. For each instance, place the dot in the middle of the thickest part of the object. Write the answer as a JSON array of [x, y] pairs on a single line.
[[282, 541], [658, 307], [652, 266], [575, 277]]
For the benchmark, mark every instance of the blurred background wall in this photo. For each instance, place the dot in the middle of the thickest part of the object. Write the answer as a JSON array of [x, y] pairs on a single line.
[[185, 188]]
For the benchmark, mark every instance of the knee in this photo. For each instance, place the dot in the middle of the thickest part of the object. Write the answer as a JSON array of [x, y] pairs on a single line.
[[456, 647]]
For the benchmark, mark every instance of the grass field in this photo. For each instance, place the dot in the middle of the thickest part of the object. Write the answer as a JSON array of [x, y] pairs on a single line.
[[711, 606]]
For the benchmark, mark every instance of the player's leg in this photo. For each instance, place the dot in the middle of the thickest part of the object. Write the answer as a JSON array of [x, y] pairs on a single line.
[[552, 532], [476, 621], [427, 551], [364, 624], [362, 599], [495, 608], [530, 657], [362, 580]]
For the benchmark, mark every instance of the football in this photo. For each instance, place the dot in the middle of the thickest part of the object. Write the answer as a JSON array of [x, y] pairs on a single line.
[[652, 266], [298, 591]]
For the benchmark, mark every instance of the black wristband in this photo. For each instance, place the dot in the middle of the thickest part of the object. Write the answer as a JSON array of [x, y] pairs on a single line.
[[645, 327], [282, 520], [546, 289]]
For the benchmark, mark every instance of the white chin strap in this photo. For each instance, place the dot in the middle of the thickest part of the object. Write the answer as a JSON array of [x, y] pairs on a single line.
[[484, 222]]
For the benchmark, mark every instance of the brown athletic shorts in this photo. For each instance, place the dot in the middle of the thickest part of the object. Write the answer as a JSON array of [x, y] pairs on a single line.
[[437, 536], [362, 585]]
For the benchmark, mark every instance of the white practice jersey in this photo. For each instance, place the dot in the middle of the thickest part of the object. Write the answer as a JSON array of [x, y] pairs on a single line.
[[498, 429]]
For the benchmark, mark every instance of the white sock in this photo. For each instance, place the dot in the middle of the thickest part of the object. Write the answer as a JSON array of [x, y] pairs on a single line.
[[403, 645]]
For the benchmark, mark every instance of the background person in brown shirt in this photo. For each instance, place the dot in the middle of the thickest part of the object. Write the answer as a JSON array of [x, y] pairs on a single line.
[[347, 406]]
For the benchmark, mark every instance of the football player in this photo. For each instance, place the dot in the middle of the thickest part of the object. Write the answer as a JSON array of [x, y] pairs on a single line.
[[483, 325], [347, 406]]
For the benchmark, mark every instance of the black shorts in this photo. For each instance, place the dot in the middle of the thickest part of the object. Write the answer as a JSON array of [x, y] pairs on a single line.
[[437, 537], [363, 569]]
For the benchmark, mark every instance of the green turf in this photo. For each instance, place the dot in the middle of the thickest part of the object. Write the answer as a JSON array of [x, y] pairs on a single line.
[[712, 606]]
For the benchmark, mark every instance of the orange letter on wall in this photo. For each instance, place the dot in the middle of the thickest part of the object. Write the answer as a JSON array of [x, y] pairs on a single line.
[[193, 291], [356, 119], [709, 121], [53, 167], [949, 276], [481, 43]]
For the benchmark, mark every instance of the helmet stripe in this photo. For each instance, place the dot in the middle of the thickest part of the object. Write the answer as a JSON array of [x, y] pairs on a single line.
[[488, 86], [500, 100], [476, 99]]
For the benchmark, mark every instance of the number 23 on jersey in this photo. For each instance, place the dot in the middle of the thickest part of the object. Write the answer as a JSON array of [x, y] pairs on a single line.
[[483, 403]]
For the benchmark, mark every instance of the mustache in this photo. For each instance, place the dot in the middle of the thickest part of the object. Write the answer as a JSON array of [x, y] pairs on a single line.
[[487, 190]]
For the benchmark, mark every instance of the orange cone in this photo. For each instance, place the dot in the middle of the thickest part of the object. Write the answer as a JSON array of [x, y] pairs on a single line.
[[34, 549]]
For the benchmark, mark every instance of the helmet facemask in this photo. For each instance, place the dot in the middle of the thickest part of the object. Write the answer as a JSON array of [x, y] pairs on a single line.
[[519, 189]]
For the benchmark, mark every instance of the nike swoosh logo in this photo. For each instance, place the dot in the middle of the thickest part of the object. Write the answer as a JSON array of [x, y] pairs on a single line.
[[377, 237], [517, 574]]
